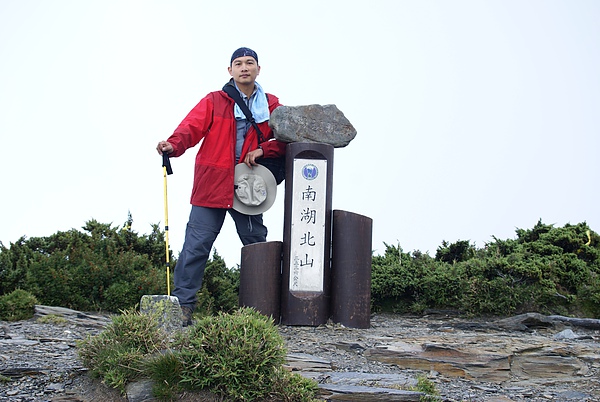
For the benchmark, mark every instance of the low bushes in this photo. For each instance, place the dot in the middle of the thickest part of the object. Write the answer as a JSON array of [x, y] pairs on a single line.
[[237, 356], [545, 269], [104, 268], [17, 305]]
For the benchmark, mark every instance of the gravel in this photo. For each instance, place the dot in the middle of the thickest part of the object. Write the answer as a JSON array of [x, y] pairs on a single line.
[[39, 363]]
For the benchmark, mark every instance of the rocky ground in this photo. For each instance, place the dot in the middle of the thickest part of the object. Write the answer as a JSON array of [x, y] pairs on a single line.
[[466, 360]]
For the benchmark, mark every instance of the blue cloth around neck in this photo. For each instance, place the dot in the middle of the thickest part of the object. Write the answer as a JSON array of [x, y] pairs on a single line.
[[258, 105]]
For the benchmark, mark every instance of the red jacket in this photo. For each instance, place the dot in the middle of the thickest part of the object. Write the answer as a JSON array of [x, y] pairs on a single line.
[[212, 120]]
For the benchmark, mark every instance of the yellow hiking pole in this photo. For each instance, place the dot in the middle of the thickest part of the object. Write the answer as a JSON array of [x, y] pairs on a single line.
[[167, 170]]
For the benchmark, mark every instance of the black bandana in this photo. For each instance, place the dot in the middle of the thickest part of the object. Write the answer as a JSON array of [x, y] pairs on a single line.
[[244, 51]]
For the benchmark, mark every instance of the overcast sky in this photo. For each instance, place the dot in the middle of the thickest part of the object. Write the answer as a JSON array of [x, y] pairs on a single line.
[[474, 118]]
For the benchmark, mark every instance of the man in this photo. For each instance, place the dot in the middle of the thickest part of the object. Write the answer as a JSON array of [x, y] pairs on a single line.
[[227, 139]]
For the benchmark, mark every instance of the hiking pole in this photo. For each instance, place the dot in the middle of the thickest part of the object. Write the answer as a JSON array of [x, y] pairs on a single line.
[[167, 170]]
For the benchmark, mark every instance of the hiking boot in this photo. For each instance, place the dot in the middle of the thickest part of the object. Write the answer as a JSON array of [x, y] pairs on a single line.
[[187, 315]]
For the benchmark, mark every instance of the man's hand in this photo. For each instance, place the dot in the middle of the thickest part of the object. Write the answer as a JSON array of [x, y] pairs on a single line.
[[252, 156], [164, 147]]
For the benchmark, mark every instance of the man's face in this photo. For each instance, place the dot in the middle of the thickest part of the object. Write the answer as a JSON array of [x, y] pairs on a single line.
[[244, 70]]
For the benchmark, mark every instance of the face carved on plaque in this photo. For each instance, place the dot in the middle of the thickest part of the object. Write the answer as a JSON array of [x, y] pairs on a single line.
[[251, 189]]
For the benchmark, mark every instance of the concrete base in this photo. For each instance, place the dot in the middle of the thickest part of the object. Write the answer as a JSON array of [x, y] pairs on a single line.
[[166, 308]]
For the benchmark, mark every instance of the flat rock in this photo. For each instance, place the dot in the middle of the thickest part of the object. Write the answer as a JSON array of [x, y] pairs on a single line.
[[312, 123], [307, 362], [354, 378], [482, 358], [525, 322], [367, 394], [74, 316]]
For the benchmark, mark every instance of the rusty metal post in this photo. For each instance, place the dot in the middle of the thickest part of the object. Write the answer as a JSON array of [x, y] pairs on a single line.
[[351, 269], [260, 278], [306, 269]]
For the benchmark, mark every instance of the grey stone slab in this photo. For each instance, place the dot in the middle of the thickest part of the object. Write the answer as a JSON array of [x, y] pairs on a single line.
[[312, 123]]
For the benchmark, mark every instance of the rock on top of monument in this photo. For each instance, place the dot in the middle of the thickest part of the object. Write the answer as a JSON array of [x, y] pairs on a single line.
[[312, 123]]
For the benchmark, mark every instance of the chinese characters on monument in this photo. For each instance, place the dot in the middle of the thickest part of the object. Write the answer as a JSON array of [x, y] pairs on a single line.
[[308, 225]]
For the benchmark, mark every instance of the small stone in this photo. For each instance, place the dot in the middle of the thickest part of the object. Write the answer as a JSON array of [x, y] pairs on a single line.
[[313, 123], [575, 396], [57, 387], [566, 334], [139, 391], [166, 308]]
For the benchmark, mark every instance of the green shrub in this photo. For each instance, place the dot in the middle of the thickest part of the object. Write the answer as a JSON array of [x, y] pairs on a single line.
[[118, 353], [53, 319], [392, 278], [120, 295], [235, 355], [427, 386], [545, 269], [292, 387], [13, 266], [102, 268], [165, 370], [219, 292], [460, 251], [17, 305], [105, 268]]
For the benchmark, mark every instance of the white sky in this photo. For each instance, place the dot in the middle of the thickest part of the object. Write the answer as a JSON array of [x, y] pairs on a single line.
[[474, 117]]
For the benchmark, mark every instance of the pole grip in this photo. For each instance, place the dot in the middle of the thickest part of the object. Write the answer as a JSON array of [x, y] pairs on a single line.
[[167, 163]]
